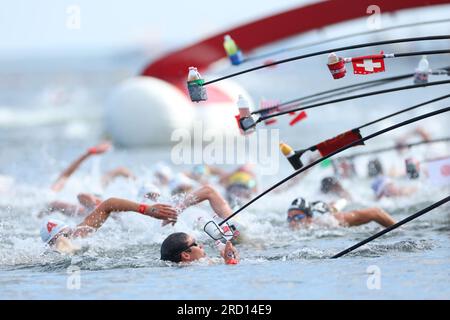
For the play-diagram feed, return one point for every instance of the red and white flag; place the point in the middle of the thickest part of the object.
(368, 64)
(439, 171)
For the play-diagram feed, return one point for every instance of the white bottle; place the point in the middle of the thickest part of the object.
(332, 58)
(423, 64)
(244, 107)
(422, 71)
(193, 74)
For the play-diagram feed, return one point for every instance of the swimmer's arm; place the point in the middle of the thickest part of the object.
(58, 185)
(96, 219)
(217, 202)
(363, 216)
(216, 171)
(423, 134)
(88, 200)
(118, 172)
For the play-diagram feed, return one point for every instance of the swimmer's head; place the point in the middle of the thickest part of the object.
(181, 247)
(52, 229)
(181, 184)
(329, 184)
(200, 170)
(298, 211)
(237, 194)
(163, 173)
(374, 168)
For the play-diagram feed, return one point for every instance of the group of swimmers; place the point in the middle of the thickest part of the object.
(240, 186)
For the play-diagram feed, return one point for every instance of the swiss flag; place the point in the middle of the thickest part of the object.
(50, 226)
(368, 64)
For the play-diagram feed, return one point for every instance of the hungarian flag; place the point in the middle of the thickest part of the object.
(368, 64)
(342, 140)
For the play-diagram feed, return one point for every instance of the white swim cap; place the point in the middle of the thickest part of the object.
(50, 228)
(180, 180)
(164, 170)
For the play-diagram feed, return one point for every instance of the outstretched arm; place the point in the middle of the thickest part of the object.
(118, 172)
(363, 216)
(217, 202)
(96, 219)
(58, 185)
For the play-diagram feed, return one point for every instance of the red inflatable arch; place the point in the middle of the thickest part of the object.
(173, 66)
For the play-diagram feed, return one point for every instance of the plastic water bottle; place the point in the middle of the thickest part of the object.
(245, 117)
(197, 91)
(232, 50)
(229, 45)
(193, 74)
(291, 155)
(333, 58)
(422, 71)
(336, 66)
(244, 106)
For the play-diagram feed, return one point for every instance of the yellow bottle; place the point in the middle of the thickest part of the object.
(286, 149)
(291, 155)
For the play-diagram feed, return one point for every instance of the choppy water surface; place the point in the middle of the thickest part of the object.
(122, 259)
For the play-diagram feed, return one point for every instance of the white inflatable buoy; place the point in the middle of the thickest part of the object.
(144, 111)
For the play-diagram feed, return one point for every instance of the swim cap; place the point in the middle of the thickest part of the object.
(302, 205)
(164, 170)
(50, 228)
(327, 184)
(374, 168)
(180, 181)
(200, 170)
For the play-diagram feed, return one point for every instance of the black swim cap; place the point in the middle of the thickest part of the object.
(374, 168)
(173, 245)
(302, 205)
(327, 184)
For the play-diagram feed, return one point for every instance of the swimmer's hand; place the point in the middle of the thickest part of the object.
(162, 212)
(100, 148)
(64, 245)
(230, 254)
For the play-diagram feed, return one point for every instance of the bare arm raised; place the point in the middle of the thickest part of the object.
(58, 185)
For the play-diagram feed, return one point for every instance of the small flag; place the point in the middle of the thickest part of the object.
(270, 121)
(325, 163)
(439, 171)
(302, 115)
(368, 64)
(333, 144)
(271, 106)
